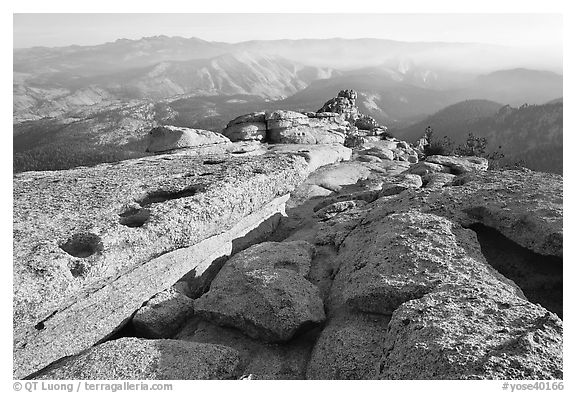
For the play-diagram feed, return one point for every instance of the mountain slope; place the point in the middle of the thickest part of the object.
(531, 133)
(452, 119)
(269, 77)
(395, 97)
(397, 81)
(265, 76)
(518, 86)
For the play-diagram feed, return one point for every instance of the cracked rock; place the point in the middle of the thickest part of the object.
(262, 292)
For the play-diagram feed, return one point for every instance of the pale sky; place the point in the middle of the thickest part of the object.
(521, 30)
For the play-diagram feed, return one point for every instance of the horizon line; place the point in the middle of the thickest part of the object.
(260, 40)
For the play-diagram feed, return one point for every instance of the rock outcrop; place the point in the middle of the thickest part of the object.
(249, 127)
(262, 292)
(336, 122)
(92, 244)
(288, 127)
(294, 127)
(289, 261)
(343, 104)
(166, 138)
(460, 165)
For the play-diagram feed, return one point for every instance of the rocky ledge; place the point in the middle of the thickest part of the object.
(92, 244)
(244, 260)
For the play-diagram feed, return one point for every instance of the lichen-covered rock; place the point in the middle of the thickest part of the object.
(262, 292)
(392, 263)
(163, 315)
(137, 359)
(460, 165)
(165, 138)
(471, 332)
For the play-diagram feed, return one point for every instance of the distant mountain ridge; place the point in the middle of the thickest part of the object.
(338, 53)
(400, 81)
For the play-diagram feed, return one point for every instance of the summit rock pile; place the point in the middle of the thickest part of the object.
(337, 119)
(288, 127)
(344, 104)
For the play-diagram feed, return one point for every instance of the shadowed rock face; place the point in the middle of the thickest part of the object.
(163, 315)
(539, 276)
(258, 359)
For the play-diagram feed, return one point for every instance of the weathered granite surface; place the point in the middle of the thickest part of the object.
(133, 358)
(262, 291)
(249, 127)
(376, 272)
(523, 205)
(83, 238)
(165, 138)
